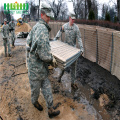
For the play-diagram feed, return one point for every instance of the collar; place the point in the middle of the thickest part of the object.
(41, 21)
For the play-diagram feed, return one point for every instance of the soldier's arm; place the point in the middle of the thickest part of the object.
(43, 46)
(8, 30)
(59, 33)
(2, 31)
(79, 40)
(29, 41)
(9, 25)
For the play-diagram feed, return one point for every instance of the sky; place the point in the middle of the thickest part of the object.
(70, 6)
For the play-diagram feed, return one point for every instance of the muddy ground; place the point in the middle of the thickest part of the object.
(98, 96)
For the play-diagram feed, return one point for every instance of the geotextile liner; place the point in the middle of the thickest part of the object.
(101, 45)
(116, 55)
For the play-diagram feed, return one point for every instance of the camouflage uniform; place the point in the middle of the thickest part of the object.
(39, 57)
(71, 34)
(5, 35)
(12, 28)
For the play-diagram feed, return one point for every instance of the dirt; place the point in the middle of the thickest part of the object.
(25, 27)
(15, 94)
(105, 87)
(98, 96)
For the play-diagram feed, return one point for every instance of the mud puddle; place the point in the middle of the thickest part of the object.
(83, 96)
(93, 106)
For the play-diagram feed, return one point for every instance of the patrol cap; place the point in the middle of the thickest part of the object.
(72, 14)
(5, 20)
(47, 9)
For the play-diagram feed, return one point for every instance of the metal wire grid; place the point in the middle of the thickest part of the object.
(98, 44)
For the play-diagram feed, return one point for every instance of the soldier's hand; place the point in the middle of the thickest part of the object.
(54, 39)
(81, 53)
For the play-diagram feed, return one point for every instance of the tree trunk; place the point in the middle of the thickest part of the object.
(39, 10)
(85, 9)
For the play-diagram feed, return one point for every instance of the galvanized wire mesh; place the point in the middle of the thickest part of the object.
(96, 42)
(104, 49)
(101, 45)
(116, 55)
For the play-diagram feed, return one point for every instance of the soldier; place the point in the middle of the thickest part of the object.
(5, 35)
(39, 57)
(12, 30)
(71, 34)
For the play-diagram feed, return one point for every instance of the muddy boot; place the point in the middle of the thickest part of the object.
(38, 106)
(9, 55)
(53, 113)
(74, 86)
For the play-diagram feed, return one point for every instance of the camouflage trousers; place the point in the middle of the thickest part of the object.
(6, 44)
(45, 86)
(12, 37)
(72, 70)
(27, 59)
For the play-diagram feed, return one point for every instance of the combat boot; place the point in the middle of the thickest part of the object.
(9, 55)
(53, 113)
(38, 106)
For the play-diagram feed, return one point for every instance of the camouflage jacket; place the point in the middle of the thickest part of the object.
(40, 56)
(12, 25)
(5, 31)
(71, 34)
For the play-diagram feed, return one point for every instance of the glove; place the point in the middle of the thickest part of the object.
(81, 53)
(54, 39)
(54, 62)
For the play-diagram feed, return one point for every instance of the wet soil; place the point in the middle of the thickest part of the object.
(98, 96)
(15, 94)
(104, 86)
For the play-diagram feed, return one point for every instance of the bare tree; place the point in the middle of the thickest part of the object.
(33, 9)
(112, 13)
(2, 15)
(118, 9)
(83, 7)
(89, 4)
(63, 13)
(104, 11)
(94, 7)
(78, 6)
(57, 7)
